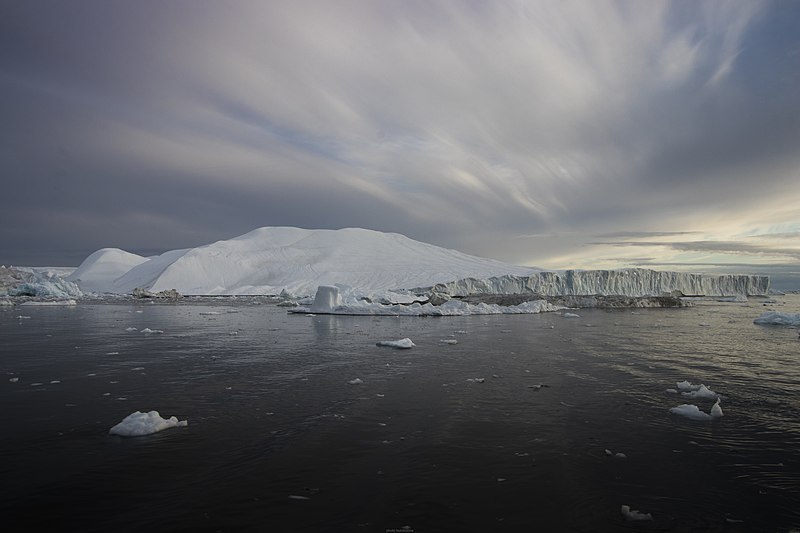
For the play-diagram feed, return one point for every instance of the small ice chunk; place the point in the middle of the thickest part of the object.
(13, 380)
(634, 514)
(694, 412)
(356, 381)
(702, 392)
(672, 391)
(138, 423)
(148, 331)
(326, 300)
(716, 410)
(55, 381)
(571, 315)
(131, 329)
(296, 497)
(112, 353)
(403, 344)
(687, 386)
(448, 341)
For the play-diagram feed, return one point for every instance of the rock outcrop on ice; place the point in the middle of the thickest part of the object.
(634, 282)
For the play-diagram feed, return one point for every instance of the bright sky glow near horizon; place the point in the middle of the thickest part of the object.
(557, 134)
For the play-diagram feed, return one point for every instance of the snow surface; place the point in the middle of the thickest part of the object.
(774, 318)
(138, 423)
(101, 268)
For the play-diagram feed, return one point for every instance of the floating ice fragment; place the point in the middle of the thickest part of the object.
(570, 315)
(687, 386)
(22, 317)
(672, 391)
(112, 353)
(148, 331)
(716, 410)
(702, 392)
(296, 497)
(634, 514)
(694, 412)
(356, 381)
(13, 380)
(403, 344)
(460, 332)
(448, 341)
(137, 424)
(774, 318)
(208, 313)
(131, 329)
(55, 381)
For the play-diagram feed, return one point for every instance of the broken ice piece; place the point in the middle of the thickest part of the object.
(634, 514)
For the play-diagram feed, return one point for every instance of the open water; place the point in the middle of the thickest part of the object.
(279, 440)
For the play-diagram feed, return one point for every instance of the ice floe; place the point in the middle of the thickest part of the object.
(403, 344)
(138, 423)
(775, 318)
(51, 303)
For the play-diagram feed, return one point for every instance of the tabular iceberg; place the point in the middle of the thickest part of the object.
(636, 282)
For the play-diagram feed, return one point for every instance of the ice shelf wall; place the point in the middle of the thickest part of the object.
(635, 282)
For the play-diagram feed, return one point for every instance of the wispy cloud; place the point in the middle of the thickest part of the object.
(464, 124)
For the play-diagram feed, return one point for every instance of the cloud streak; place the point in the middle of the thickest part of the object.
(150, 125)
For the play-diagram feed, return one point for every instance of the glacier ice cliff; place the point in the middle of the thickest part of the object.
(634, 282)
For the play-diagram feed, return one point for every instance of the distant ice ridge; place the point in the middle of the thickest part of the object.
(635, 282)
(774, 318)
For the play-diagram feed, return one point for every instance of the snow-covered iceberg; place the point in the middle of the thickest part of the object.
(274, 259)
(294, 261)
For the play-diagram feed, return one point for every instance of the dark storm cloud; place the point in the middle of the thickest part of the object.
(151, 125)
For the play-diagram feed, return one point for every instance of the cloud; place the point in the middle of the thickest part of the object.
(463, 124)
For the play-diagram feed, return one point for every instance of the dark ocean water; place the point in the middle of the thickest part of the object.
(278, 440)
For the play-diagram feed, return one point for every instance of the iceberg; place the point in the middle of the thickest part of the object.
(138, 424)
(294, 262)
(326, 300)
(271, 260)
(403, 344)
(103, 267)
(635, 282)
(694, 412)
(775, 318)
(350, 303)
(40, 284)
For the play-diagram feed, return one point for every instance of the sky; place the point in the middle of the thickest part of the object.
(555, 134)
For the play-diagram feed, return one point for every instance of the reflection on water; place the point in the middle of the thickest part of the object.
(279, 440)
